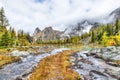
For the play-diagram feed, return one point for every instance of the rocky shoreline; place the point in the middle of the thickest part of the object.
(98, 64)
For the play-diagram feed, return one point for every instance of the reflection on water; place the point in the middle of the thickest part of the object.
(74, 46)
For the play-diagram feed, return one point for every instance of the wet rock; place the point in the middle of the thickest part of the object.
(112, 48)
(94, 65)
(46, 49)
(113, 64)
(73, 59)
(114, 72)
(31, 51)
(111, 56)
(105, 50)
(108, 55)
(109, 49)
(18, 78)
(116, 58)
(26, 74)
(118, 48)
(75, 55)
(82, 54)
(94, 51)
(96, 75)
(20, 53)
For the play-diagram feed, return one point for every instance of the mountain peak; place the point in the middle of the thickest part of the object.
(47, 34)
(48, 28)
(37, 30)
(116, 13)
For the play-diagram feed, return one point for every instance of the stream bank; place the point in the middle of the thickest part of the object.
(97, 64)
(22, 69)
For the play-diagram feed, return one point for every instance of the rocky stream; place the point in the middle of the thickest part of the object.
(98, 64)
(95, 64)
(22, 69)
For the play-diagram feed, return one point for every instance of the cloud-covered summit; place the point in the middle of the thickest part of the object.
(29, 14)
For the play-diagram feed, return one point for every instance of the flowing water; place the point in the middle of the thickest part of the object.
(22, 69)
(92, 68)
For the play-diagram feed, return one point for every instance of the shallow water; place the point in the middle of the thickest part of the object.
(20, 69)
(92, 68)
(23, 68)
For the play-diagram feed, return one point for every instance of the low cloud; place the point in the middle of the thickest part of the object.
(29, 14)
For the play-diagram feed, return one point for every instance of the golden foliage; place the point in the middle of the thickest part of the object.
(110, 40)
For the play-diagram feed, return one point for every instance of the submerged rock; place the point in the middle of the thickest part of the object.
(97, 64)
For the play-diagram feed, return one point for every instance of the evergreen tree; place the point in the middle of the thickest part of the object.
(92, 37)
(12, 36)
(3, 20)
(117, 26)
(21, 37)
(24, 38)
(99, 37)
(110, 29)
(28, 37)
(5, 40)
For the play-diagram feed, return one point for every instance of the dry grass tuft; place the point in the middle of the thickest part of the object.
(55, 67)
(117, 62)
(4, 59)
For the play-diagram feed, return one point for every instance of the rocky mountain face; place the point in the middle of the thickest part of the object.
(116, 13)
(75, 29)
(47, 34)
(111, 18)
(87, 25)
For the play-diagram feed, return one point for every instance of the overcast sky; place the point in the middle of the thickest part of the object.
(29, 14)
